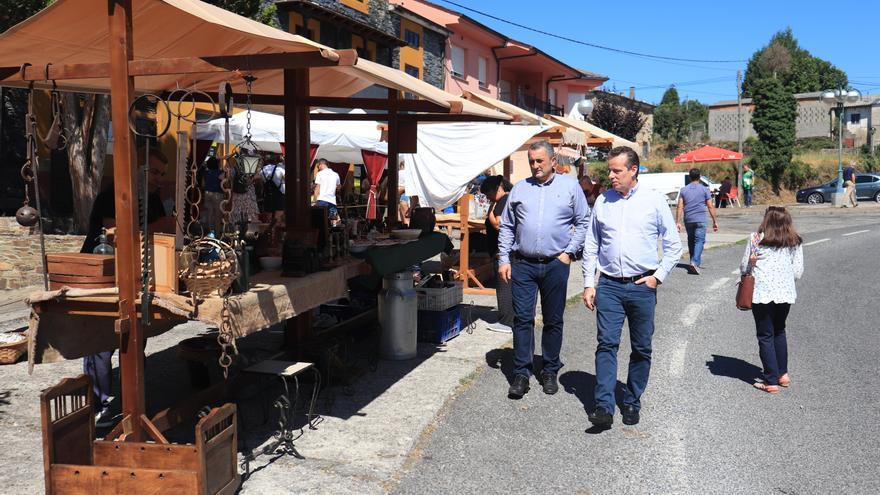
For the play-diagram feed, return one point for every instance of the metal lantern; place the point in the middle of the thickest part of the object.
(27, 216)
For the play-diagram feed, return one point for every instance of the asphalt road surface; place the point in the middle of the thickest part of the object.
(704, 429)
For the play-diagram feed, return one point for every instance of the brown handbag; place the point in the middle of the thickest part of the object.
(746, 287)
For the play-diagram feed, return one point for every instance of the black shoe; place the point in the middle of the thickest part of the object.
(519, 387)
(630, 415)
(600, 417)
(549, 383)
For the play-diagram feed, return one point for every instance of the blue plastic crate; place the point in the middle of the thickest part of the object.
(439, 326)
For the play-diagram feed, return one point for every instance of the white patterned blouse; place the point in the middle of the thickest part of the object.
(775, 272)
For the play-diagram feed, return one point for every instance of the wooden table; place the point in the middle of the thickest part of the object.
(466, 226)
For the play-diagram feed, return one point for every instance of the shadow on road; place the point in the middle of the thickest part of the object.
(503, 359)
(733, 368)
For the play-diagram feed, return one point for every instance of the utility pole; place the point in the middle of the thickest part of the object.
(739, 136)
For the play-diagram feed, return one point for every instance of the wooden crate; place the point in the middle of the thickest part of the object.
(81, 264)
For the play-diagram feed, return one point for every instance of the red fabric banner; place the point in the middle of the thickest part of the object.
(375, 163)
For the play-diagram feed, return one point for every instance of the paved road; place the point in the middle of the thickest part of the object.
(704, 428)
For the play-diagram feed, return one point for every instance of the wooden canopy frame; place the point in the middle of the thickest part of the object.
(122, 69)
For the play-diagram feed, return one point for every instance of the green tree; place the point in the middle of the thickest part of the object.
(669, 117)
(15, 11)
(795, 67)
(774, 123)
(259, 10)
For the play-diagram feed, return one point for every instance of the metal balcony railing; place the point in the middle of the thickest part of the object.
(530, 103)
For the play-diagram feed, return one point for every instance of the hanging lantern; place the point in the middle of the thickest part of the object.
(27, 216)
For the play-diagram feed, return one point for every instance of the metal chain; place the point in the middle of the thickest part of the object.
(225, 338)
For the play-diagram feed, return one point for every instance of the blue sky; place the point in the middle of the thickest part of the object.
(704, 30)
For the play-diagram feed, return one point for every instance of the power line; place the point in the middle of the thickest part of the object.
(585, 43)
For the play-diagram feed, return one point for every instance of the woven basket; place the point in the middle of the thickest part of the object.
(212, 277)
(9, 353)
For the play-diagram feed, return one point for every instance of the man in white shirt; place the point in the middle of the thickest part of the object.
(327, 184)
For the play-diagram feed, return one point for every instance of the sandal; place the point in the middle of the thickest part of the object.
(784, 380)
(770, 389)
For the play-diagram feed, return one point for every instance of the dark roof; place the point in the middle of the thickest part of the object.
(404, 12)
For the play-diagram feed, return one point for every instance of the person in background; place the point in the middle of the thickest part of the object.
(748, 184)
(210, 178)
(723, 192)
(542, 229)
(775, 257)
(849, 181)
(695, 200)
(272, 176)
(403, 205)
(99, 366)
(327, 184)
(496, 188)
(621, 243)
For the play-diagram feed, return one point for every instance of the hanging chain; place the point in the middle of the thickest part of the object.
(226, 338)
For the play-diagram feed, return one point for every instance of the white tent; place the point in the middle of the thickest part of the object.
(451, 155)
(338, 141)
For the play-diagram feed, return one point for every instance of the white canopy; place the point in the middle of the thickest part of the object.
(338, 141)
(451, 155)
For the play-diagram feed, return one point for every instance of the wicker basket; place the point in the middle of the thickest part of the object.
(9, 353)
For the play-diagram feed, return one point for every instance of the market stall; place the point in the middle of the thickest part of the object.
(158, 47)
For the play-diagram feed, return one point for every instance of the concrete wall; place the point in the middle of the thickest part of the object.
(20, 264)
(812, 121)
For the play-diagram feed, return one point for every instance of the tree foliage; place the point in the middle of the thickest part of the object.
(795, 67)
(774, 123)
(624, 122)
(15, 11)
(673, 120)
(263, 11)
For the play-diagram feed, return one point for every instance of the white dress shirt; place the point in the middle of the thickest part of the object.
(623, 233)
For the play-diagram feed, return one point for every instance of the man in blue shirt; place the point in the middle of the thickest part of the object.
(542, 228)
(695, 201)
(849, 181)
(622, 239)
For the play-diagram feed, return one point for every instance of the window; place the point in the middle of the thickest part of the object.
(865, 179)
(855, 118)
(481, 71)
(412, 39)
(359, 5)
(457, 61)
(413, 71)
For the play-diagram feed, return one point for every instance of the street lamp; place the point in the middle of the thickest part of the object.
(836, 98)
(585, 107)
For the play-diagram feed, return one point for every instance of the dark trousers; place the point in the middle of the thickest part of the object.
(100, 368)
(504, 299)
(616, 302)
(772, 343)
(551, 281)
(747, 196)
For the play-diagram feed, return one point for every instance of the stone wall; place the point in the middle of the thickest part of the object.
(20, 264)
(434, 44)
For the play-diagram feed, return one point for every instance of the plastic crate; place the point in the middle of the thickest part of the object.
(441, 298)
(439, 326)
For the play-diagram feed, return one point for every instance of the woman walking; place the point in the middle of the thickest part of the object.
(777, 260)
(496, 188)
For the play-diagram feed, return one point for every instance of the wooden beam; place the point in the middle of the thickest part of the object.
(378, 104)
(393, 147)
(297, 143)
(419, 117)
(184, 65)
(131, 345)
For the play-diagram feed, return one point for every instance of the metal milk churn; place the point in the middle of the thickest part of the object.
(398, 317)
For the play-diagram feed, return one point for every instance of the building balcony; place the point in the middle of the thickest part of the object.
(531, 103)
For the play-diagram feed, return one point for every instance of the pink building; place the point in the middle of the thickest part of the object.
(480, 59)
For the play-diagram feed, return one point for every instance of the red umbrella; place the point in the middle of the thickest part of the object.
(708, 154)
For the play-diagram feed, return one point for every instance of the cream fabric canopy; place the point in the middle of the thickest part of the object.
(76, 32)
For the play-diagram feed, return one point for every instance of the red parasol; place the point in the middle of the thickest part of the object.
(708, 154)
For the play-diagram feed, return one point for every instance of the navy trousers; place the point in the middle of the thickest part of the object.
(100, 368)
(616, 302)
(772, 342)
(528, 279)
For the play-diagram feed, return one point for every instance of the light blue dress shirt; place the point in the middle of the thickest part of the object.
(543, 220)
(623, 234)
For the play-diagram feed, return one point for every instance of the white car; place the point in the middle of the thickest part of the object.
(670, 183)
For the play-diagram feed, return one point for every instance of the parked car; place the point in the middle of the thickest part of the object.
(670, 183)
(867, 188)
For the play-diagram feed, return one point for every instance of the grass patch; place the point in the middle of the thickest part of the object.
(467, 380)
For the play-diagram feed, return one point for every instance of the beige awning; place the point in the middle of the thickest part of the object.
(595, 131)
(76, 32)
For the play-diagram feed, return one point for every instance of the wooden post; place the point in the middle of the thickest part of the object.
(131, 337)
(297, 140)
(464, 206)
(393, 146)
(508, 168)
(297, 181)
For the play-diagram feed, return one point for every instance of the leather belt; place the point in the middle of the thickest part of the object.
(541, 260)
(629, 280)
